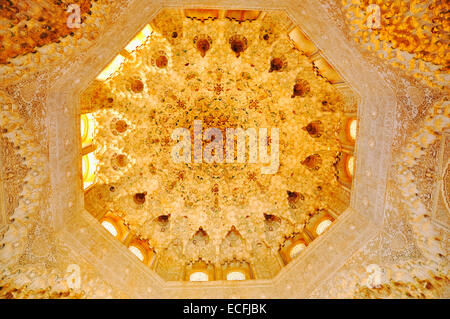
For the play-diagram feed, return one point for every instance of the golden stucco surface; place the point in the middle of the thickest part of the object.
(411, 35)
(29, 25)
(406, 259)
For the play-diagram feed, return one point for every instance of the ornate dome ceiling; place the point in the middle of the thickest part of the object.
(335, 219)
(226, 73)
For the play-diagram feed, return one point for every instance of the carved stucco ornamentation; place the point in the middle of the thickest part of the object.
(52, 52)
(396, 43)
(85, 230)
(408, 254)
(14, 172)
(425, 173)
(79, 233)
(446, 185)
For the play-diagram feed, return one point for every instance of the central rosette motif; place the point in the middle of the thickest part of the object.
(235, 78)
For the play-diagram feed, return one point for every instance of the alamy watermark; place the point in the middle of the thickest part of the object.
(74, 19)
(73, 278)
(374, 18)
(377, 276)
(213, 151)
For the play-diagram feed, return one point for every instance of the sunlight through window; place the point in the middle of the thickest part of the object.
(139, 39)
(87, 129)
(352, 127)
(89, 164)
(111, 68)
(323, 226)
(235, 275)
(198, 276)
(297, 249)
(350, 165)
(137, 252)
(110, 228)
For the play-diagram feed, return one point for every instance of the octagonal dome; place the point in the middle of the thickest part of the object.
(208, 74)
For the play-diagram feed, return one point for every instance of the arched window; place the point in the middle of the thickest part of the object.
(327, 70)
(198, 276)
(242, 15)
(350, 165)
(89, 165)
(139, 39)
(111, 68)
(301, 41)
(87, 129)
(137, 252)
(235, 275)
(202, 14)
(322, 226)
(296, 249)
(110, 227)
(352, 127)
